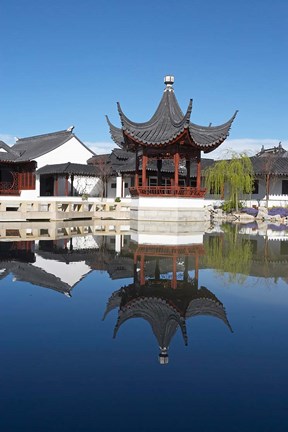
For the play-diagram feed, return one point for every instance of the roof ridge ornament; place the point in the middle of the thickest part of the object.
(169, 81)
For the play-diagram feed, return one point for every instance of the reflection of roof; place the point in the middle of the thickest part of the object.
(164, 308)
(68, 256)
(37, 276)
(162, 316)
(207, 307)
(167, 124)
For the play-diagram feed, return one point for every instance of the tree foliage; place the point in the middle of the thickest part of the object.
(235, 175)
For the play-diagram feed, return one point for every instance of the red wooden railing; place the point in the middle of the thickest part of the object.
(9, 188)
(168, 191)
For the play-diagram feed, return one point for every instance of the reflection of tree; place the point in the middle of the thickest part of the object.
(228, 253)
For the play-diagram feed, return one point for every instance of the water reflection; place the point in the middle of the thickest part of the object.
(165, 294)
(58, 356)
(164, 288)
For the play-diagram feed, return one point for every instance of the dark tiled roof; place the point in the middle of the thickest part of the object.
(270, 164)
(69, 168)
(32, 147)
(7, 154)
(166, 125)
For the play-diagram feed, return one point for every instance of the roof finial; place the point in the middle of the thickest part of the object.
(169, 81)
(163, 356)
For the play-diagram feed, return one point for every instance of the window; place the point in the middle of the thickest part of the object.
(113, 185)
(166, 182)
(152, 181)
(126, 185)
(284, 187)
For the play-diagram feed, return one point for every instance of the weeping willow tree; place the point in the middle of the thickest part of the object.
(236, 175)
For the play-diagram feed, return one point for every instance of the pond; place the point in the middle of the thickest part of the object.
(100, 332)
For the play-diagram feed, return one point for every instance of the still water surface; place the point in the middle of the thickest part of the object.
(100, 333)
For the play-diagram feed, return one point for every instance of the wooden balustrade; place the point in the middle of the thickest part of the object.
(168, 191)
(9, 188)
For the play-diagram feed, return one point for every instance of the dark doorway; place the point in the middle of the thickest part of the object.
(46, 185)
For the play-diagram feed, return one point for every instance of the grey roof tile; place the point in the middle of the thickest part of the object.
(69, 168)
(7, 153)
(166, 125)
(32, 147)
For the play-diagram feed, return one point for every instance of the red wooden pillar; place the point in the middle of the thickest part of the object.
(196, 266)
(66, 185)
(174, 274)
(176, 168)
(144, 166)
(56, 185)
(136, 170)
(198, 181)
(142, 273)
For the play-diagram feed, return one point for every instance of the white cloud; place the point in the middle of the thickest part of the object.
(8, 139)
(100, 147)
(250, 146)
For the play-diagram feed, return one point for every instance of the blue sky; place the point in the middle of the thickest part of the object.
(68, 62)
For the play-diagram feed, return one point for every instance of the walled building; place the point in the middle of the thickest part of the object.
(19, 165)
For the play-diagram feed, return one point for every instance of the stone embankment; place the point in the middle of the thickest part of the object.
(262, 215)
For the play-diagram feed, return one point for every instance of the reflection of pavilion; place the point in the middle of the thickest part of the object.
(168, 298)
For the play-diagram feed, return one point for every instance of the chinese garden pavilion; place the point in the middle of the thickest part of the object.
(169, 134)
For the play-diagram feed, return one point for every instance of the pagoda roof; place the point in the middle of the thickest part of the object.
(167, 125)
(164, 309)
(162, 316)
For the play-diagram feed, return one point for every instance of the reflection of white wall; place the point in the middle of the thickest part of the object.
(85, 242)
(69, 273)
